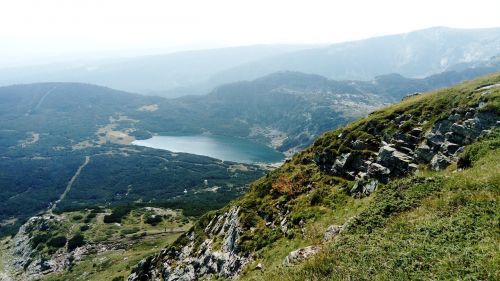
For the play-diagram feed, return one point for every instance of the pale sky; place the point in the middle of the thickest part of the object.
(38, 28)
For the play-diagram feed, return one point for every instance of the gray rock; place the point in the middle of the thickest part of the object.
(379, 172)
(300, 254)
(423, 153)
(456, 138)
(459, 129)
(440, 162)
(364, 187)
(449, 148)
(340, 163)
(331, 232)
(186, 264)
(397, 161)
(349, 164)
(434, 138)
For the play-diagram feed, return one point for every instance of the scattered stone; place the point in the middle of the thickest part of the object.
(300, 254)
(331, 232)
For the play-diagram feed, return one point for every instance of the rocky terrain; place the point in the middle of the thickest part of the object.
(33, 254)
(325, 192)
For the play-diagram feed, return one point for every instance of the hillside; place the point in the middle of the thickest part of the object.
(67, 146)
(288, 110)
(409, 192)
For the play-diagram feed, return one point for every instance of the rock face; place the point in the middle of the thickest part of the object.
(192, 261)
(25, 261)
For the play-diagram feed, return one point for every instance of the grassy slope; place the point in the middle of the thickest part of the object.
(432, 225)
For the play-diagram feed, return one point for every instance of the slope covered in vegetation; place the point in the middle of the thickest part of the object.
(409, 192)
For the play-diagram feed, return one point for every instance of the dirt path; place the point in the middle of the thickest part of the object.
(70, 183)
(41, 100)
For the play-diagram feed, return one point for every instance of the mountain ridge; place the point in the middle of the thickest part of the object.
(416, 54)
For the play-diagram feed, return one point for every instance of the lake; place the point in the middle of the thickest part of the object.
(220, 147)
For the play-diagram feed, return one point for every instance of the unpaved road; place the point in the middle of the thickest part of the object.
(70, 183)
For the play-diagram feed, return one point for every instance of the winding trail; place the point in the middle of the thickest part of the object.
(70, 183)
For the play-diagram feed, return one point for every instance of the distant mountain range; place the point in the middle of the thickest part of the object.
(416, 54)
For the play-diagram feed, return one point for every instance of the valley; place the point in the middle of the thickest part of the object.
(269, 173)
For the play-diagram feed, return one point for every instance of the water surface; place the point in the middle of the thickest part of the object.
(220, 147)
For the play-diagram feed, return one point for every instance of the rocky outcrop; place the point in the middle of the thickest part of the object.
(24, 259)
(369, 162)
(192, 261)
(27, 263)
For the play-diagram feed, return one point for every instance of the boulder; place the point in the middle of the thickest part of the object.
(423, 153)
(456, 138)
(434, 138)
(364, 187)
(397, 161)
(331, 232)
(459, 129)
(340, 164)
(299, 255)
(449, 148)
(440, 162)
(349, 164)
(379, 172)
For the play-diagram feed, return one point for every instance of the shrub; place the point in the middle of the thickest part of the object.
(153, 219)
(77, 217)
(57, 242)
(39, 238)
(75, 242)
(117, 214)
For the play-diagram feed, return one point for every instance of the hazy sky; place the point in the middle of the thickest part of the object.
(34, 28)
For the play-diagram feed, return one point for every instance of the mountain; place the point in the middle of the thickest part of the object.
(169, 75)
(416, 54)
(288, 110)
(409, 192)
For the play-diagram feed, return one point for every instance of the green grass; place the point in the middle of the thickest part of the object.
(441, 226)
(434, 225)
